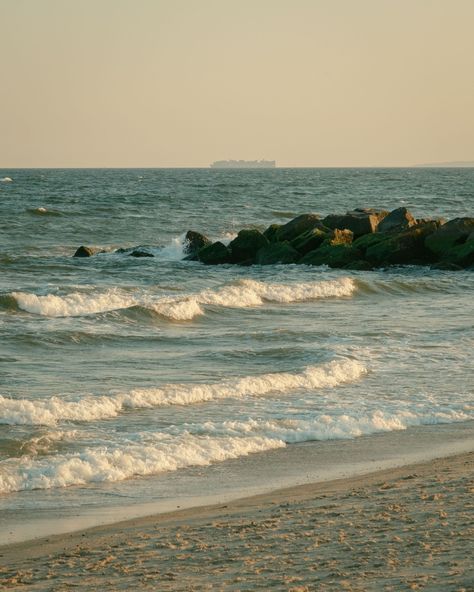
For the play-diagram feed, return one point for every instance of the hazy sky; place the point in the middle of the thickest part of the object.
(186, 82)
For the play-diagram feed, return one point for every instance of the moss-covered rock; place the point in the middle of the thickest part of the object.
(277, 253)
(453, 233)
(407, 247)
(369, 240)
(246, 244)
(297, 226)
(214, 254)
(462, 255)
(338, 255)
(271, 232)
(311, 239)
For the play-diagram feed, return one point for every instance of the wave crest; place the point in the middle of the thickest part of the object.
(53, 410)
(244, 294)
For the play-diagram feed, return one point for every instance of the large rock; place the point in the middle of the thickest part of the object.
(461, 255)
(244, 247)
(271, 232)
(83, 251)
(407, 247)
(193, 242)
(360, 221)
(214, 254)
(341, 237)
(297, 226)
(339, 255)
(312, 239)
(397, 221)
(454, 233)
(369, 240)
(277, 253)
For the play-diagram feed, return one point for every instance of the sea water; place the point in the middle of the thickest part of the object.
(125, 381)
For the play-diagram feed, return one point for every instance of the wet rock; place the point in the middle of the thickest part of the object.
(341, 237)
(193, 242)
(462, 255)
(271, 232)
(359, 265)
(439, 221)
(277, 253)
(446, 266)
(360, 221)
(244, 247)
(397, 221)
(369, 240)
(140, 253)
(297, 226)
(83, 251)
(312, 239)
(406, 247)
(338, 255)
(214, 254)
(451, 234)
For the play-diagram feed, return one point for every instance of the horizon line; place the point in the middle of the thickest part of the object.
(454, 164)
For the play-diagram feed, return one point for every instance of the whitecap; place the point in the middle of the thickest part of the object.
(243, 294)
(118, 463)
(55, 409)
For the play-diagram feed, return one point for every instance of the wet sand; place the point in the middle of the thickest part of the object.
(408, 528)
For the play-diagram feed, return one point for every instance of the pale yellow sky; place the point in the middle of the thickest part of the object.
(185, 82)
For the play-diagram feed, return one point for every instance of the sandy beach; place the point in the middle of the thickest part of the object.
(409, 528)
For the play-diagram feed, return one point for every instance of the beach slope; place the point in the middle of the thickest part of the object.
(409, 528)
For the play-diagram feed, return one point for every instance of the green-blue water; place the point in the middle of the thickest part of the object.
(121, 370)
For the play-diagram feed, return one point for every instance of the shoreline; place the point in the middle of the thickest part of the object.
(408, 527)
(296, 464)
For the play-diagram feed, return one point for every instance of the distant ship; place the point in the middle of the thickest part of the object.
(243, 164)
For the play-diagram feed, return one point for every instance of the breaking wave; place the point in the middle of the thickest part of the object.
(75, 304)
(243, 294)
(152, 453)
(53, 410)
(116, 464)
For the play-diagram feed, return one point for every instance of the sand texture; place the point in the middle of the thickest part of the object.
(410, 528)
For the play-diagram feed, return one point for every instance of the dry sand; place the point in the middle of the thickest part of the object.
(409, 528)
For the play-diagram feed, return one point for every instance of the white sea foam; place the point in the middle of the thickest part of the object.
(178, 447)
(75, 304)
(243, 294)
(116, 464)
(53, 410)
(340, 424)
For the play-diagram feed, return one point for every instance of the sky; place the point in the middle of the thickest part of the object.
(181, 83)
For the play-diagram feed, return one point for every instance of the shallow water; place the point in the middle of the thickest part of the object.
(119, 370)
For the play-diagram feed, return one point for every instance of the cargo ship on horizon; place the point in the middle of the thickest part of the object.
(243, 164)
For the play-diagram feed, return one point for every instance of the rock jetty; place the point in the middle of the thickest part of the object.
(360, 239)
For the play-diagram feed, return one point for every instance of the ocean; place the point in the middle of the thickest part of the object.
(133, 384)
